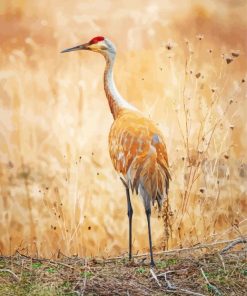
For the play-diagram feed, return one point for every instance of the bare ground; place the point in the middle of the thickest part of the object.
(186, 272)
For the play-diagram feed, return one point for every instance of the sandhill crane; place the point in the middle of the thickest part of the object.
(137, 148)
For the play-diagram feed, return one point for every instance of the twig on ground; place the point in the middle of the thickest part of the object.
(222, 261)
(164, 274)
(45, 260)
(60, 263)
(169, 285)
(200, 246)
(85, 280)
(84, 284)
(234, 243)
(210, 286)
(173, 288)
(190, 292)
(171, 271)
(184, 292)
(155, 277)
(12, 273)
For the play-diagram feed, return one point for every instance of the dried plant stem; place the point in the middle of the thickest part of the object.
(186, 110)
(47, 260)
(29, 203)
(200, 246)
(173, 288)
(234, 243)
(155, 277)
(210, 286)
(12, 273)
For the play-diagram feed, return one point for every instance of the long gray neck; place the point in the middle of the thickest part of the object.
(115, 100)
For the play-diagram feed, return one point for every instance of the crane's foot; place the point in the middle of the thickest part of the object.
(152, 264)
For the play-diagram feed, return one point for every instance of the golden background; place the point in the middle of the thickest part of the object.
(183, 63)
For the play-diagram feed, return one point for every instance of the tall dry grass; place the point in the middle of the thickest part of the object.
(184, 66)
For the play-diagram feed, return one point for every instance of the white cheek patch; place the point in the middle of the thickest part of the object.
(99, 45)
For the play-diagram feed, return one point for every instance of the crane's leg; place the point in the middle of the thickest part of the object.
(130, 214)
(148, 214)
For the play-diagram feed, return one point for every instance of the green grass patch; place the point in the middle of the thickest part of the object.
(36, 265)
(141, 270)
(87, 274)
(51, 270)
(166, 263)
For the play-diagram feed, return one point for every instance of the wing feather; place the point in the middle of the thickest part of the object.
(138, 152)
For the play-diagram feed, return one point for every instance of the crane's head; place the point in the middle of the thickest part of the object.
(97, 44)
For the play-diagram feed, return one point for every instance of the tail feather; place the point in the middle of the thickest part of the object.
(149, 178)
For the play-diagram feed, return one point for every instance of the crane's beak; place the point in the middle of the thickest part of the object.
(79, 47)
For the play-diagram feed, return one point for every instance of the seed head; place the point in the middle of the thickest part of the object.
(229, 60)
(170, 45)
(202, 190)
(200, 37)
(235, 53)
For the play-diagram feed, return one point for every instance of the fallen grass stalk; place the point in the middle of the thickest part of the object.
(12, 273)
(211, 287)
(200, 246)
(46, 260)
(169, 285)
(234, 243)
(173, 288)
(222, 261)
(190, 292)
(155, 277)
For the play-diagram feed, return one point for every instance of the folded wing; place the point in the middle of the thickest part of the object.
(138, 152)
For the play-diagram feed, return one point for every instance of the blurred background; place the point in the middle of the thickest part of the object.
(183, 63)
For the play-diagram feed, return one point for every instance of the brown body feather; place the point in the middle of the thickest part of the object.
(138, 152)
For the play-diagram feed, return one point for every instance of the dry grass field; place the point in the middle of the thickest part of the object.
(181, 63)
